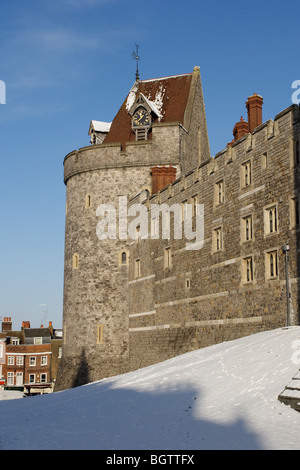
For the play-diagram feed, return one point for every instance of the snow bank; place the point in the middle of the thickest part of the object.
(220, 397)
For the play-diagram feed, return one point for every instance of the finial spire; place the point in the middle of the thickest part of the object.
(135, 56)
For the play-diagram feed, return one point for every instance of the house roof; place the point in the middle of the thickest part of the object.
(37, 332)
(167, 95)
(100, 126)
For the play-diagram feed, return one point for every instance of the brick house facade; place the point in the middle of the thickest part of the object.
(28, 358)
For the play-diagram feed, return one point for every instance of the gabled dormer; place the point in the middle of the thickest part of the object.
(98, 131)
(143, 113)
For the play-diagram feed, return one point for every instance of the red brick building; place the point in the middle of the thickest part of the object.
(29, 358)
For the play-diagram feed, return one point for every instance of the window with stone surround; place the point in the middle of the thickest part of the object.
(168, 257)
(246, 174)
(75, 261)
(99, 339)
(88, 201)
(217, 239)
(137, 268)
(247, 269)
(247, 228)
(194, 203)
(271, 219)
(294, 212)
(219, 193)
(272, 264)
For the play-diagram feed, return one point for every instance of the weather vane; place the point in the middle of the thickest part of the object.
(135, 56)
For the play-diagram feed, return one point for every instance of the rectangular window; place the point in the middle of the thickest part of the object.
(194, 202)
(272, 265)
(184, 211)
(137, 268)
(246, 174)
(31, 378)
(138, 233)
(219, 192)
(271, 219)
(20, 360)
(10, 360)
(38, 340)
(75, 261)
(217, 239)
(44, 360)
(247, 228)
(15, 341)
(168, 258)
(10, 378)
(294, 212)
(43, 378)
(32, 361)
(99, 334)
(247, 269)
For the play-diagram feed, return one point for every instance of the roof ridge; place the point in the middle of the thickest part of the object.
(165, 78)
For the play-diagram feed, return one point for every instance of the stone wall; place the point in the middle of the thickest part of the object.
(205, 296)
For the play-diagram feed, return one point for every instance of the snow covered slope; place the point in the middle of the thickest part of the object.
(220, 397)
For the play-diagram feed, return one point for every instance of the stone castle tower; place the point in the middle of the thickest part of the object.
(161, 124)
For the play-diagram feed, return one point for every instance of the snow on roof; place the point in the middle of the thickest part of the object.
(100, 126)
(131, 96)
(156, 106)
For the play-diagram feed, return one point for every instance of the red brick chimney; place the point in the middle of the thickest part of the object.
(240, 129)
(254, 107)
(6, 324)
(162, 176)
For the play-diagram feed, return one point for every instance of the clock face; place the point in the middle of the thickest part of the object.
(141, 118)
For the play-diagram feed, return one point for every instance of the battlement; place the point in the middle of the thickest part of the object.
(137, 153)
(254, 144)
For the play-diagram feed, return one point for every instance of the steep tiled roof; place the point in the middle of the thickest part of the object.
(169, 95)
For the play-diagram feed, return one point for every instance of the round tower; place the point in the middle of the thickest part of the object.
(150, 129)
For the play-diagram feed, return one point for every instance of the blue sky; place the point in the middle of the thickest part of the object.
(66, 62)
